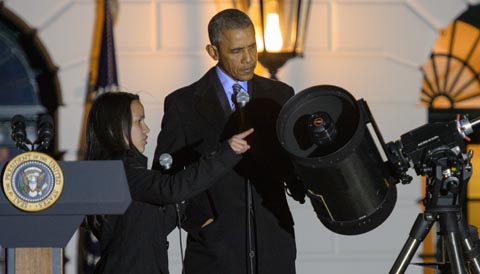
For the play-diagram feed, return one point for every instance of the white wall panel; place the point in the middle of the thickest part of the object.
(394, 118)
(319, 28)
(312, 237)
(160, 74)
(38, 13)
(373, 76)
(70, 119)
(190, 21)
(439, 12)
(68, 35)
(73, 78)
(391, 28)
(135, 29)
(73, 81)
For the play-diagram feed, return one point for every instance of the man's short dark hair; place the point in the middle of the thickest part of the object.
(226, 20)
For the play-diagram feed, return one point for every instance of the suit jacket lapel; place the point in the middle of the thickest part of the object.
(212, 103)
(253, 85)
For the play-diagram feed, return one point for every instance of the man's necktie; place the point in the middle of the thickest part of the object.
(236, 89)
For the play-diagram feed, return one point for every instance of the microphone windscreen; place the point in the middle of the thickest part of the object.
(17, 119)
(45, 120)
(166, 161)
(19, 133)
(242, 98)
(45, 131)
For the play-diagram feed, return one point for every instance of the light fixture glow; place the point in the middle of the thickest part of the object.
(280, 28)
(273, 35)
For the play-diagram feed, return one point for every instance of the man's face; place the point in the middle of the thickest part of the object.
(236, 53)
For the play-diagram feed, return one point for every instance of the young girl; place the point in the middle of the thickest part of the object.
(136, 242)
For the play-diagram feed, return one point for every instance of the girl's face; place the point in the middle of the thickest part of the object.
(139, 127)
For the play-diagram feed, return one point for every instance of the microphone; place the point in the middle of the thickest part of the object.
(19, 134)
(242, 98)
(166, 161)
(45, 132)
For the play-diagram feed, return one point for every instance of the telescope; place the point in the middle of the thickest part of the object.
(351, 174)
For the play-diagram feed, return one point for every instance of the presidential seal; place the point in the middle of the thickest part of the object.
(32, 181)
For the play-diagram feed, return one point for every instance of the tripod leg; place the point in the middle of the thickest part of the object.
(454, 250)
(475, 251)
(419, 231)
(471, 245)
(450, 226)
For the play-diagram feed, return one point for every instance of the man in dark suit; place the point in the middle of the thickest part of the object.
(242, 224)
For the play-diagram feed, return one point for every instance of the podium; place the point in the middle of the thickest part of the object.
(34, 240)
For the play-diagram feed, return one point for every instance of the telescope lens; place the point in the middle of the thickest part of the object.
(323, 128)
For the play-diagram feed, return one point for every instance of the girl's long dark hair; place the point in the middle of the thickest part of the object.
(108, 136)
(109, 125)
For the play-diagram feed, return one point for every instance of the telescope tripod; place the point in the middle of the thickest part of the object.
(454, 233)
(446, 186)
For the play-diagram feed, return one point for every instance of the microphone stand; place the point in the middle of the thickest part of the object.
(242, 98)
(179, 226)
(166, 161)
(250, 224)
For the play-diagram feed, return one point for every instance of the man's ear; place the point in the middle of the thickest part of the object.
(212, 51)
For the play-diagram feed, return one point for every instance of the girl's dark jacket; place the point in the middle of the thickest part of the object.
(136, 242)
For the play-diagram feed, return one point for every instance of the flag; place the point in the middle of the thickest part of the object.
(102, 78)
(103, 65)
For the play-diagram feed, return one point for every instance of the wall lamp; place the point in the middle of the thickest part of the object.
(280, 26)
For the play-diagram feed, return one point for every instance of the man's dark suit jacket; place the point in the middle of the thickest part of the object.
(197, 118)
